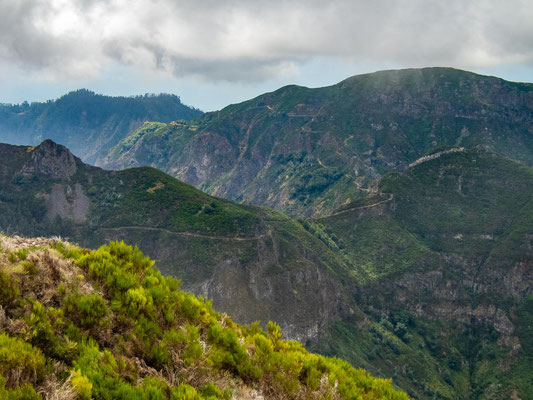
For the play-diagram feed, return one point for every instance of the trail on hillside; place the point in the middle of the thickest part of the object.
(199, 235)
(391, 196)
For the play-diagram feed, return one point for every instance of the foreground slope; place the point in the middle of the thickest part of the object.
(448, 248)
(89, 124)
(231, 253)
(307, 151)
(105, 324)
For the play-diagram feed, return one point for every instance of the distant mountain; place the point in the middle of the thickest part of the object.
(88, 123)
(428, 280)
(307, 151)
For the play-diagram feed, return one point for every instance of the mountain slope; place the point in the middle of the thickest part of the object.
(307, 151)
(105, 324)
(231, 253)
(89, 124)
(427, 281)
(448, 245)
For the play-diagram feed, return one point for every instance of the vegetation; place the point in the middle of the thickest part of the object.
(81, 119)
(424, 280)
(307, 151)
(105, 324)
(440, 238)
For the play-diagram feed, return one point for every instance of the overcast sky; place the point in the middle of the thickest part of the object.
(216, 52)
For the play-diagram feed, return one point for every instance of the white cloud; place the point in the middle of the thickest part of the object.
(256, 40)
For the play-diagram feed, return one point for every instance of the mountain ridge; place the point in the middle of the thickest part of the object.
(88, 123)
(306, 151)
(396, 282)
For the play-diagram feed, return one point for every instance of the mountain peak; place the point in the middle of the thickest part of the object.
(51, 159)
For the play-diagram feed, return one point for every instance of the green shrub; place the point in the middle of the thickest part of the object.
(184, 392)
(20, 362)
(22, 253)
(158, 330)
(88, 310)
(29, 267)
(81, 385)
(22, 392)
(9, 290)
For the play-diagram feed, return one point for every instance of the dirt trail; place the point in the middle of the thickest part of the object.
(347, 139)
(391, 196)
(361, 188)
(146, 228)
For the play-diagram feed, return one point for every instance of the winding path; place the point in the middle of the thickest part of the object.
(391, 196)
(199, 235)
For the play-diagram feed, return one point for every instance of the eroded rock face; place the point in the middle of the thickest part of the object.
(52, 160)
(75, 207)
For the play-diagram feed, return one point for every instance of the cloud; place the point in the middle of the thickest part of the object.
(251, 40)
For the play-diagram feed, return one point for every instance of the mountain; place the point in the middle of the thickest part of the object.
(105, 324)
(89, 124)
(307, 151)
(231, 253)
(428, 280)
(447, 251)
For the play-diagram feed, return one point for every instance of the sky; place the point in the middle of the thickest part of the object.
(217, 52)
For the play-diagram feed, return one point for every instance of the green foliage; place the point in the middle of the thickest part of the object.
(91, 310)
(9, 289)
(196, 345)
(22, 392)
(20, 362)
(22, 253)
(81, 385)
(30, 267)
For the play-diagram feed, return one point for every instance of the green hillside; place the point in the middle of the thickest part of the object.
(105, 324)
(307, 151)
(447, 250)
(426, 281)
(231, 253)
(88, 123)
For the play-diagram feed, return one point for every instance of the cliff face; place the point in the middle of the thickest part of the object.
(307, 151)
(51, 160)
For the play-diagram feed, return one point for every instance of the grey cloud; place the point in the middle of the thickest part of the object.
(255, 40)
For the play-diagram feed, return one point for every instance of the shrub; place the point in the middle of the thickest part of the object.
(22, 253)
(23, 392)
(20, 362)
(184, 392)
(81, 385)
(9, 290)
(29, 267)
(89, 310)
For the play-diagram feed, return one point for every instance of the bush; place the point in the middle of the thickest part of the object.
(10, 290)
(20, 362)
(184, 392)
(29, 267)
(23, 392)
(89, 310)
(81, 385)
